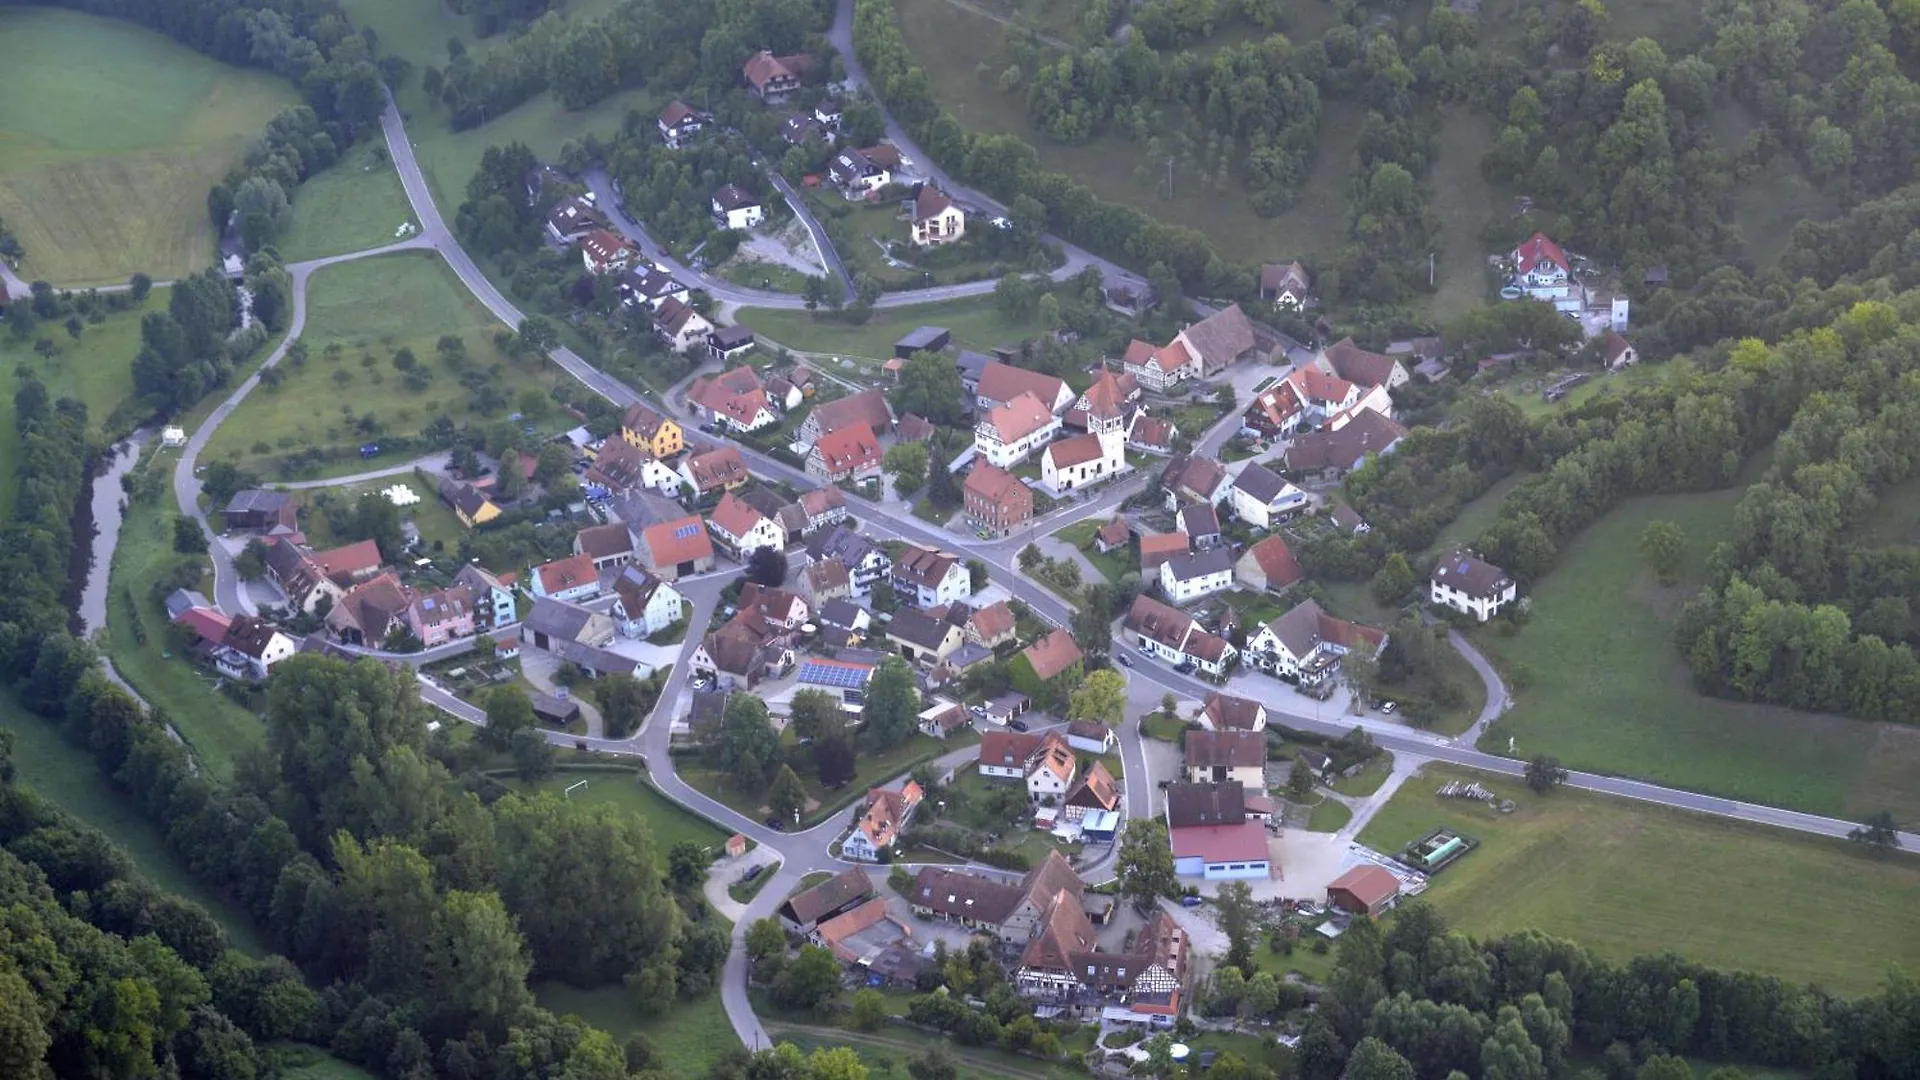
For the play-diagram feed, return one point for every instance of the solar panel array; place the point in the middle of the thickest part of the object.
(685, 531)
(835, 675)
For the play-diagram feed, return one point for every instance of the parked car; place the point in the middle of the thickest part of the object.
(1125, 660)
(1191, 901)
(774, 822)
(1388, 707)
(1018, 725)
(753, 872)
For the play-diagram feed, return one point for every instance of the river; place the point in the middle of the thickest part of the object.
(109, 502)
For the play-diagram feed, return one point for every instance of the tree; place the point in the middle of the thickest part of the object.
(23, 1031)
(1092, 622)
(1168, 704)
(1238, 919)
(1263, 995)
(537, 336)
(1146, 862)
(787, 797)
(1663, 547)
(264, 211)
(479, 964)
(1031, 558)
(869, 1009)
(933, 1064)
(1878, 833)
(687, 864)
(624, 702)
(907, 463)
(187, 537)
(892, 711)
(746, 743)
(251, 564)
(930, 388)
(1102, 697)
(553, 466)
(1393, 581)
(1544, 774)
(834, 760)
(1375, 1060)
(509, 712)
(810, 980)
(942, 489)
(977, 575)
(765, 940)
(814, 713)
(767, 566)
(533, 756)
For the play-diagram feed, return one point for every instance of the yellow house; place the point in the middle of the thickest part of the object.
(652, 431)
(469, 504)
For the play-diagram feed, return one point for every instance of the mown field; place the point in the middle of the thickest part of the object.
(1624, 878)
(371, 310)
(110, 136)
(629, 791)
(1599, 684)
(355, 205)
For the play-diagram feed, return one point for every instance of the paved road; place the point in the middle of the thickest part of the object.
(798, 204)
(433, 463)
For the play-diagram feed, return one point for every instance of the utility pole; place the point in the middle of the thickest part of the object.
(1429, 269)
(1169, 179)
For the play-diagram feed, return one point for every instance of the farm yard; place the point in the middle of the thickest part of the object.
(360, 316)
(113, 134)
(1626, 879)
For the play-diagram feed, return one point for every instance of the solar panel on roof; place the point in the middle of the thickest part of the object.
(685, 531)
(835, 675)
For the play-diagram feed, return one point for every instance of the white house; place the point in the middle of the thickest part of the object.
(1171, 635)
(571, 579)
(1052, 770)
(1190, 576)
(733, 208)
(1221, 852)
(1082, 460)
(1467, 583)
(644, 604)
(1541, 269)
(930, 578)
(1262, 499)
(1010, 432)
(681, 327)
(739, 529)
(1306, 643)
(251, 649)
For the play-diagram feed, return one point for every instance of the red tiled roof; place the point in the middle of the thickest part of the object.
(1276, 560)
(562, 574)
(1536, 250)
(1019, 418)
(996, 485)
(673, 542)
(1367, 883)
(1004, 382)
(734, 517)
(1245, 842)
(209, 623)
(1053, 654)
(350, 561)
(849, 448)
(1075, 451)
(717, 467)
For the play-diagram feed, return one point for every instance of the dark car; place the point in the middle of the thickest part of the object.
(774, 823)
(1125, 660)
(368, 450)
(1018, 725)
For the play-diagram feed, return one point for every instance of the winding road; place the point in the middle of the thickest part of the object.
(805, 851)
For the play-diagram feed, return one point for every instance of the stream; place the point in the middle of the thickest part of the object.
(109, 504)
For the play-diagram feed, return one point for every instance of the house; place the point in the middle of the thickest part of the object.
(1014, 913)
(1541, 269)
(441, 616)
(1186, 578)
(208, 624)
(995, 500)
(1306, 643)
(554, 711)
(733, 208)
(258, 510)
(1219, 756)
(840, 893)
(573, 218)
(717, 470)
(1200, 350)
(1158, 367)
(735, 399)
(1171, 635)
(1082, 460)
(927, 578)
(620, 468)
(1366, 889)
(824, 581)
(1001, 710)
(1156, 548)
(299, 576)
(936, 220)
(1200, 522)
(679, 122)
(1105, 406)
(821, 508)
(1268, 565)
(774, 505)
(923, 339)
(1349, 521)
(913, 428)
(1191, 803)
(1467, 583)
(1095, 792)
(1128, 296)
(1332, 453)
(1091, 737)
(1001, 384)
(1051, 769)
(740, 530)
(1192, 479)
(1361, 367)
(1617, 352)
(772, 78)
(796, 129)
(851, 453)
(606, 252)
(681, 327)
(1226, 712)
(1046, 967)
(748, 646)
(607, 545)
(369, 610)
(922, 638)
(1054, 655)
(1114, 534)
(653, 286)
(942, 718)
(572, 578)
(251, 648)
(673, 549)
(644, 605)
(1004, 754)
(1285, 285)
(1044, 762)
(726, 344)
(971, 365)
(857, 174)
(867, 562)
(880, 824)
(991, 625)
(469, 504)
(1221, 852)
(1010, 432)
(868, 407)
(181, 601)
(494, 603)
(1263, 499)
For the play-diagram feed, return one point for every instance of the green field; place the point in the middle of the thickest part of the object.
(1604, 689)
(1464, 203)
(1623, 879)
(1475, 516)
(215, 726)
(97, 369)
(666, 821)
(355, 205)
(1329, 815)
(976, 323)
(303, 1062)
(430, 515)
(870, 770)
(110, 137)
(689, 1037)
(371, 309)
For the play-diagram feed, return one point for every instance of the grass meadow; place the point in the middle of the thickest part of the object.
(629, 791)
(109, 139)
(976, 322)
(1624, 878)
(371, 309)
(355, 205)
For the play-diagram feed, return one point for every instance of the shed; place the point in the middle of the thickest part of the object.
(924, 339)
(557, 711)
(736, 845)
(1364, 890)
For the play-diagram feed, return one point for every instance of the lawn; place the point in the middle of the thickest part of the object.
(1329, 815)
(97, 370)
(216, 727)
(1624, 878)
(434, 518)
(316, 1064)
(1526, 391)
(67, 776)
(977, 324)
(1368, 779)
(1599, 684)
(1158, 725)
(688, 1037)
(1475, 516)
(886, 1053)
(370, 310)
(1113, 564)
(870, 770)
(113, 136)
(355, 205)
(668, 822)
(1464, 204)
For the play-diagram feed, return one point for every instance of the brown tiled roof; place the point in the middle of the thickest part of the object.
(1152, 431)
(1053, 654)
(992, 621)
(635, 587)
(567, 573)
(1162, 623)
(919, 566)
(717, 468)
(914, 428)
(1053, 876)
(962, 895)
(837, 930)
(642, 420)
(1115, 532)
(1275, 276)
(1228, 711)
(1276, 560)
(673, 542)
(1066, 931)
(829, 896)
(763, 67)
(1095, 789)
(1207, 646)
(930, 203)
(343, 564)
(1232, 749)
(1221, 337)
(996, 485)
(867, 407)
(250, 635)
(1612, 345)
(822, 500)
(1156, 548)
(1357, 365)
(619, 466)
(1006, 749)
(676, 111)
(1463, 571)
(1369, 884)
(1200, 475)
(1365, 433)
(1004, 382)
(604, 541)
